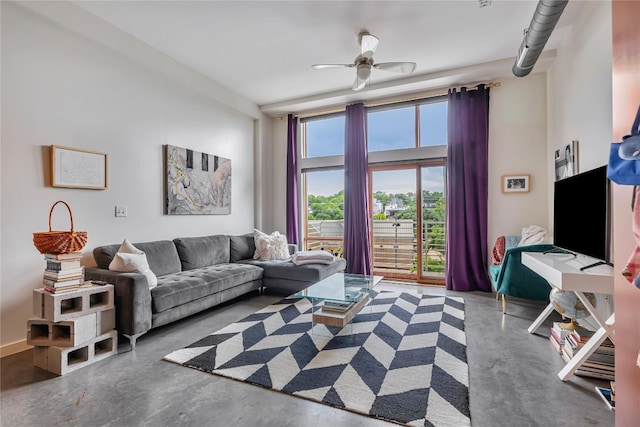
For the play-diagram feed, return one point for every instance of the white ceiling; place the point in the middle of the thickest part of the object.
(263, 50)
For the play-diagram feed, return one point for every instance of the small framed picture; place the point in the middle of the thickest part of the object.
(566, 160)
(515, 183)
(75, 168)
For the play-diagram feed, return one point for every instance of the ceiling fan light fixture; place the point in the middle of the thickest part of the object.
(364, 71)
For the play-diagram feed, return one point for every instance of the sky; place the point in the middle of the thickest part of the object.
(386, 129)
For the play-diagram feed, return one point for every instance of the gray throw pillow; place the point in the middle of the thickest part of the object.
(242, 247)
(198, 252)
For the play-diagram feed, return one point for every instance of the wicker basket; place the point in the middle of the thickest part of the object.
(60, 242)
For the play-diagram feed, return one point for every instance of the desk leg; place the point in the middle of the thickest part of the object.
(606, 325)
(543, 316)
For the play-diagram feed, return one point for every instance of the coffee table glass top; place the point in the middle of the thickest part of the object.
(341, 287)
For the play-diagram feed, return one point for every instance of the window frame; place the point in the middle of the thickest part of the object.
(413, 155)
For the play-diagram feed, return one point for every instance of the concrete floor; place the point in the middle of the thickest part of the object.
(513, 380)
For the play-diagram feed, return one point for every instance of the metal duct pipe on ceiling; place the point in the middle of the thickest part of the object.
(544, 20)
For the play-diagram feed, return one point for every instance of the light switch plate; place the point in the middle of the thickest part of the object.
(121, 211)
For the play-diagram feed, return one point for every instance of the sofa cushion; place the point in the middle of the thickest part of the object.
(162, 256)
(242, 247)
(180, 288)
(285, 269)
(197, 252)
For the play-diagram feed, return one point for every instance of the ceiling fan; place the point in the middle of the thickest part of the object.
(364, 62)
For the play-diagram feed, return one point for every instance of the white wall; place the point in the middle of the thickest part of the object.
(517, 146)
(60, 87)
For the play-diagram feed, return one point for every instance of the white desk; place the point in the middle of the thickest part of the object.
(563, 272)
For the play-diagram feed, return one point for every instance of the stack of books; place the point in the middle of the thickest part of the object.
(63, 272)
(601, 363)
(559, 333)
(336, 306)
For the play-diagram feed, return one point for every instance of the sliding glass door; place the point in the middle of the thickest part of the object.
(432, 224)
(394, 221)
(408, 242)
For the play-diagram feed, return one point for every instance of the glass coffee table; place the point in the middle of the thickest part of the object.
(338, 298)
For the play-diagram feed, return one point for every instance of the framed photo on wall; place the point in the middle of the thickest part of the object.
(75, 168)
(515, 183)
(566, 160)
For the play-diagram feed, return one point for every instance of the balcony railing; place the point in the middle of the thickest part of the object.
(394, 244)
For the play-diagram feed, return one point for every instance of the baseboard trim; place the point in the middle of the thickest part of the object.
(13, 348)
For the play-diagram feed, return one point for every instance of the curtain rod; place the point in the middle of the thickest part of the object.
(391, 102)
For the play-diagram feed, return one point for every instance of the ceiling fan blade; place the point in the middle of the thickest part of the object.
(359, 83)
(399, 67)
(323, 66)
(368, 45)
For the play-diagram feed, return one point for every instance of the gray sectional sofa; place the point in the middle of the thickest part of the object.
(194, 274)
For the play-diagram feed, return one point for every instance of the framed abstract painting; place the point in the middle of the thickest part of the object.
(197, 183)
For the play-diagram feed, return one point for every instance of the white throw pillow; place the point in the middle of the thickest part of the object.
(257, 237)
(130, 259)
(270, 246)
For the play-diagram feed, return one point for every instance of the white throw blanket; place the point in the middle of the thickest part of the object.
(312, 257)
(533, 235)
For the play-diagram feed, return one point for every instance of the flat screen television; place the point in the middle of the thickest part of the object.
(582, 214)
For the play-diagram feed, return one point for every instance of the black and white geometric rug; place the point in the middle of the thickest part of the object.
(405, 362)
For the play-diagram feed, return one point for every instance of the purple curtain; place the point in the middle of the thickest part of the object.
(467, 184)
(292, 180)
(357, 225)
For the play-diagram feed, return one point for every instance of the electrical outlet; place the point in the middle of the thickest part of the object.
(121, 211)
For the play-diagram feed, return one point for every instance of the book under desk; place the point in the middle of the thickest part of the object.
(562, 271)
